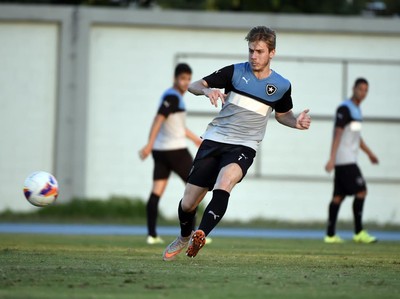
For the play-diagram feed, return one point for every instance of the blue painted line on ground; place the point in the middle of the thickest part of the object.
(97, 229)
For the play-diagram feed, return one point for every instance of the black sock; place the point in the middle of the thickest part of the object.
(358, 205)
(186, 220)
(333, 214)
(214, 211)
(152, 213)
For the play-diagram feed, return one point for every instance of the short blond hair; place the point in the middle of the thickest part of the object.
(262, 33)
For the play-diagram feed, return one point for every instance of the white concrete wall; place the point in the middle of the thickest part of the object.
(129, 65)
(28, 84)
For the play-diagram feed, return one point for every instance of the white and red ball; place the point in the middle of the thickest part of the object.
(41, 188)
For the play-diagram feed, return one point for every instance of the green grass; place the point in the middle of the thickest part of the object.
(43, 266)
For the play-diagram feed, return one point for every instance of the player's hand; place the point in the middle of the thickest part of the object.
(198, 142)
(214, 95)
(303, 121)
(330, 166)
(145, 152)
(373, 159)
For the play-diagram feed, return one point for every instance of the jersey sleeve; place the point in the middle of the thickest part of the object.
(221, 78)
(285, 103)
(343, 117)
(169, 105)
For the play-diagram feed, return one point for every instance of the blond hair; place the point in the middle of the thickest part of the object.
(262, 33)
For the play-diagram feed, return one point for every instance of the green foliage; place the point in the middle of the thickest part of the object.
(42, 266)
(337, 7)
(133, 211)
(116, 210)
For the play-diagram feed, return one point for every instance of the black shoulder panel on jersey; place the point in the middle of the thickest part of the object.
(285, 103)
(221, 78)
(170, 104)
(343, 117)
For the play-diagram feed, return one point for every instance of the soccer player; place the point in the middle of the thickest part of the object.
(252, 91)
(348, 180)
(167, 143)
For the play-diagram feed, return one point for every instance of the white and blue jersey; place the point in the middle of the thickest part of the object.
(172, 134)
(349, 118)
(249, 102)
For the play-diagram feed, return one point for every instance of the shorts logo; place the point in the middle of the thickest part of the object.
(360, 181)
(270, 89)
(242, 156)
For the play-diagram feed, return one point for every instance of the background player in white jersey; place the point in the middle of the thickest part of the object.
(252, 91)
(167, 143)
(348, 180)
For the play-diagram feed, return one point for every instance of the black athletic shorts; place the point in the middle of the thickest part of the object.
(179, 161)
(212, 156)
(348, 180)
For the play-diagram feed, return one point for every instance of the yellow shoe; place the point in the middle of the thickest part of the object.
(154, 240)
(334, 239)
(364, 237)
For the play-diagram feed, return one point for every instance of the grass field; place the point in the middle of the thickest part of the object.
(49, 266)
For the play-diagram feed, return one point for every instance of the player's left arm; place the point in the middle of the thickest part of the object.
(301, 122)
(285, 116)
(367, 150)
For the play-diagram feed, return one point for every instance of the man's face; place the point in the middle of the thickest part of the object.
(360, 92)
(182, 82)
(259, 55)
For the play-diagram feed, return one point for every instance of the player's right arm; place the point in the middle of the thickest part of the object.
(337, 136)
(210, 85)
(201, 87)
(155, 128)
(342, 119)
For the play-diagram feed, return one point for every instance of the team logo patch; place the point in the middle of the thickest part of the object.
(270, 89)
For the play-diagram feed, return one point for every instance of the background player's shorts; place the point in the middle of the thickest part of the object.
(212, 156)
(179, 161)
(348, 180)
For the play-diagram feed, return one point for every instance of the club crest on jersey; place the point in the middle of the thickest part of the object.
(270, 89)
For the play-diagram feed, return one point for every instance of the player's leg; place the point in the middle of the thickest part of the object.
(358, 205)
(235, 162)
(152, 211)
(228, 177)
(360, 190)
(334, 206)
(160, 179)
(202, 177)
(181, 166)
(186, 211)
(333, 212)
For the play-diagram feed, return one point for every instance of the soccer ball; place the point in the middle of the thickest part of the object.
(41, 188)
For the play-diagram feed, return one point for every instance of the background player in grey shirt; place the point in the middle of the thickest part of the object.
(348, 180)
(252, 91)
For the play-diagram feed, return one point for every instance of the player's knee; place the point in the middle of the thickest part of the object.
(187, 206)
(229, 176)
(337, 199)
(225, 183)
(361, 194)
